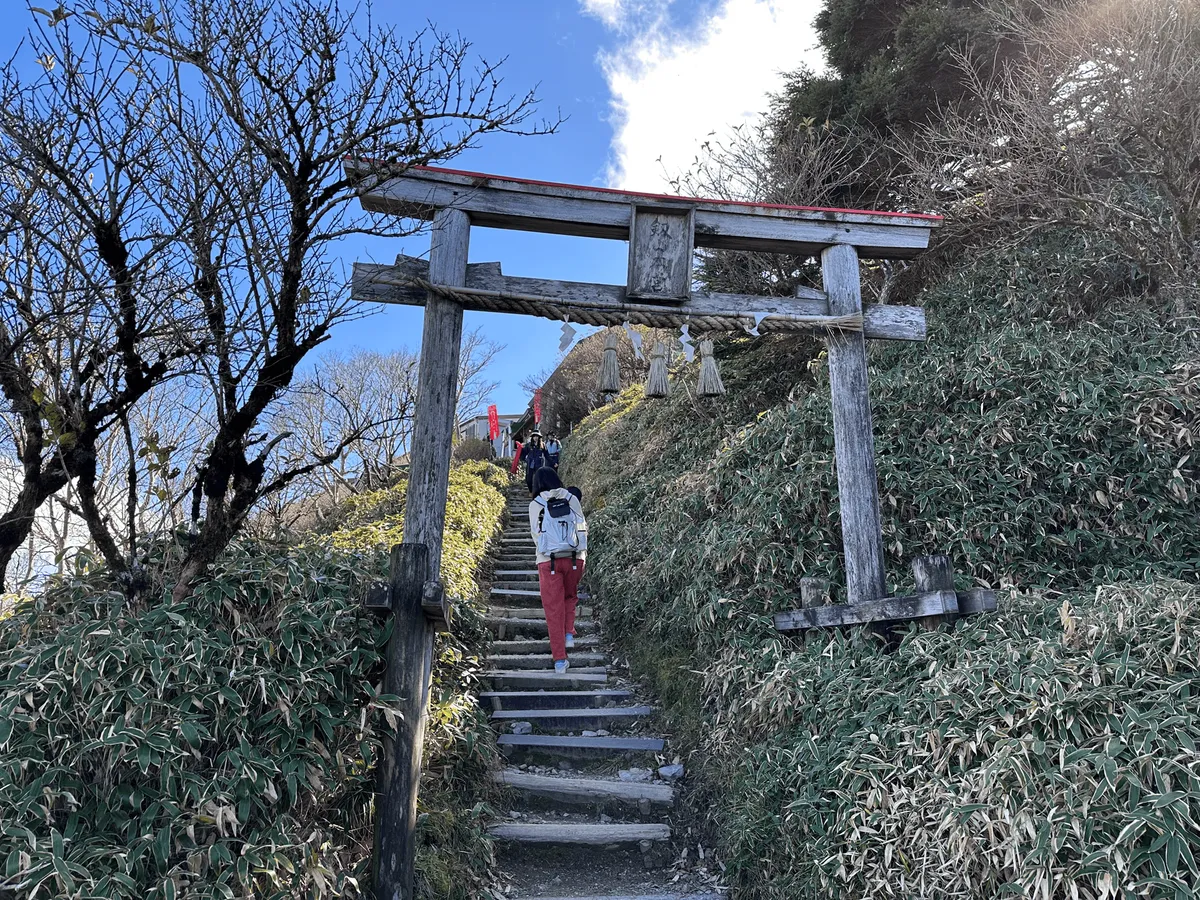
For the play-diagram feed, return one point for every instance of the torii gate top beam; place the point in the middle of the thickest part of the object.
(501, 202)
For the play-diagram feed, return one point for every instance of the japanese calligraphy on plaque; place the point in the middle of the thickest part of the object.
(660, 253)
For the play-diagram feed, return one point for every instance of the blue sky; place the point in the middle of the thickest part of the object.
(641, 83)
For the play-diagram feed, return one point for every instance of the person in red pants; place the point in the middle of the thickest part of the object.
(559, 530)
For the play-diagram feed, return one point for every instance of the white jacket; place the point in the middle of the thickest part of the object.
(538, 506)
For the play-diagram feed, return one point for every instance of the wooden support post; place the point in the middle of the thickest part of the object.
(437, 388)
(398, 772)
(854, 443)
(933, 573)
(418, 560)
(814, 592)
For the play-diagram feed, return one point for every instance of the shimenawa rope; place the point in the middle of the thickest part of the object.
(556, 308)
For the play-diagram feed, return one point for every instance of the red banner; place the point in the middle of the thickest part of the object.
(537, 406)
(493, 423)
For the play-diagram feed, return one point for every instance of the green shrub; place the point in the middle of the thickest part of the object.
(1045, 751)
(222, 747)
(1043, 438)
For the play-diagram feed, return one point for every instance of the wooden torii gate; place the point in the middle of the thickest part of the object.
(662, 232)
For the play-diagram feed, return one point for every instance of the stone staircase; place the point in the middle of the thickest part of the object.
(590, 794)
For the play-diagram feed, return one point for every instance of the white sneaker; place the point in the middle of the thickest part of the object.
(570, 641)
(561, 666)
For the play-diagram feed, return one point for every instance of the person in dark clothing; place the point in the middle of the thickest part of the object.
(576, 493)
(553, 449)
(534, 457)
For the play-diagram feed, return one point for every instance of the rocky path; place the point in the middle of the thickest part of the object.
(591, 786)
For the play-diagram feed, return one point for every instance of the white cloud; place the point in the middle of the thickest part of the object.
(620, 14)
(672, 89)
(610, 12)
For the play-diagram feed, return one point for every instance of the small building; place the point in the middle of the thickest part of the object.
(477, 427)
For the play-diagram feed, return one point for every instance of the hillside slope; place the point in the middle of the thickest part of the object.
(1043, 438)
(224, 746)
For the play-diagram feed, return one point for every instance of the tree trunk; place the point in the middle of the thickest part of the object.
(17, 524)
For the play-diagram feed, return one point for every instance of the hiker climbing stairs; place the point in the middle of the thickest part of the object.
(591, 786)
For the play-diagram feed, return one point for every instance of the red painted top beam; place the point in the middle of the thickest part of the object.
(924, 218)
(494, 201)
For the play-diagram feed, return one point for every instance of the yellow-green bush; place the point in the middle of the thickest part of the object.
(222, 747)
(1038, 450)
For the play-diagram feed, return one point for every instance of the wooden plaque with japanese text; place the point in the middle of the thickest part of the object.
(660, 253)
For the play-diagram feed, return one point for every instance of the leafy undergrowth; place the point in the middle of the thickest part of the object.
(1048, 750)
(1043, 451)
(222, 747)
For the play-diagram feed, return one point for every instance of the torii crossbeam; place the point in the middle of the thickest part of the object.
(663, 232)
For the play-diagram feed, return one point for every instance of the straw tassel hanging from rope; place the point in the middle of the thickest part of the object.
(657, 384)
(610, 371)
(710, 378)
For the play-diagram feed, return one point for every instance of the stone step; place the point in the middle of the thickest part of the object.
(527, 700)
(508, 648)
(543, 660)
(531, 611)
(586, 791)
(533, 598)
(560, 746)
(571, 680)
(518, 601)
(507, 627)
(518, 612)
(515, 574)
(523, 592)
(573, 719)
(572, 833)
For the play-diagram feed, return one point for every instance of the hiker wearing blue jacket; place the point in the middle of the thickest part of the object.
(534, 456)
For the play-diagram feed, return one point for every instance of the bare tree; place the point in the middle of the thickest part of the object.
(474, 385)
(173, 189)
(373, 394)
(1098, 128)
(805, 162)
(90, 319)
